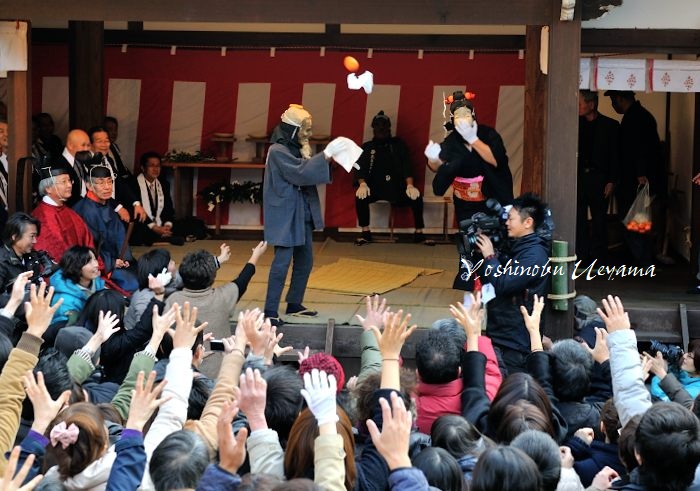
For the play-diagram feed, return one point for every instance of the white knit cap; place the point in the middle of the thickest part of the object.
(295, 115)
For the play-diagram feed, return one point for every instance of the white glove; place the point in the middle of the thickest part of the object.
(467, 131)
(432, 150)
(319, 392)
(363, 191)
(336, 146)
(412, 192)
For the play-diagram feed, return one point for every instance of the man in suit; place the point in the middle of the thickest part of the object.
(74, 156)
(111, 124)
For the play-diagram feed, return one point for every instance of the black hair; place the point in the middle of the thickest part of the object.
(590, 96)
(96, 129)
(145, 157)
(179, 461)
(198, 270)
(437, 358)
(284, 400)
(457, 435)
(610, 420)
(73, 260)
(544, 451)
(153, 263)
(110, 119)
(5, 349)
(258, 482)
(440, 468)
(668, 442)
(16, 226)
(531, 205)
(199, 394)
(627, 442)
(106, 301)
(506, 468)
(572, 370)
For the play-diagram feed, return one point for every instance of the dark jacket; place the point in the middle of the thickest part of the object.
(384, 165)
(407, 479)
(598, 147)
(591, 459)
(130, 464)
(12, 266)
(217, 479)
(640, 150)
(515, 287)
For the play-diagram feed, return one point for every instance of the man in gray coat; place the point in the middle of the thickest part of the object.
(292, 209)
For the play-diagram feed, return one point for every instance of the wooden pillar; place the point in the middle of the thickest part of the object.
(535, 104)
(86, 74)
(20, 132)
(695, 199)
(561, 142)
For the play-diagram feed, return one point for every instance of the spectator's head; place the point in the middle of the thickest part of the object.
(454, 331)
(178, 462)
(74, 450)
(71, 338)
(79, 264)
(54, 366)
(520, 404)
(528, 213)
(627, 442)
(381, 126)
(111, 124)
(506, 468)
(151, 165)
(587, 102)
(153, 263)
(76, 141)
(284, 400)
(610, 422)
(99, 140)
(572, 370)
(199, 395)
(437, 358)
(99, 179)
(298, 484)
(326, 362)
(364, 393)
(106, 301)
(55, 182)
(544, 451)
(299, 454)
(440, 468)
(621, 100)
(258, 482)
(45, 125)
(21, 232)
(458, 436)
(668, 447)
(691, 360)
(198, 270)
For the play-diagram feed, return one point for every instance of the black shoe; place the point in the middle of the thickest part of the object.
(275, 321)
(419, 238)
(298, 310)
(363, 239)
(175, 240)
(694, 291)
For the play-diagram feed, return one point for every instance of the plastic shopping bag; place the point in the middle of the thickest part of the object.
(638, 218)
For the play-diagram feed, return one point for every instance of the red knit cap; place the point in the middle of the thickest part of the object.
(327, 363)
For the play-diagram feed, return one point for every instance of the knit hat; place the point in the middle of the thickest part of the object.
(71, 338)
(295, 115)
(327, 363)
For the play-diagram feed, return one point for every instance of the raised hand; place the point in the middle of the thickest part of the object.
(273, 348)
(38, 311)
(657, 365)
(599, 352)
(470, 318)
(252, 397)
(392, 441)
(432, 151)
(144, 401)
(258, 251)
(532, 321)
(396, 331)
(225, 253)
(45, 408)
(12, 482)
(257, 331)
(18, 292)
(585, 434)
(319, 393)
(107, 325)
(231, 450)
(161, 325)
(185, 331)
(374, 315)
(604, 479)
(615, 317)
(303, 355)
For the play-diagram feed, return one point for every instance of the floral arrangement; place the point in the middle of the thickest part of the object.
(177, 156)
(235, 192)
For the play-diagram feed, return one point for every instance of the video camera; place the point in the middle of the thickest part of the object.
(671, 353)
(40, 264)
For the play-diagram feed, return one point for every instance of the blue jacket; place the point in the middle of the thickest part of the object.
(690, 384)
(130, 464)
(74, 296)
(407, 479)
(217, 479)
(290, 184)
(591, 459)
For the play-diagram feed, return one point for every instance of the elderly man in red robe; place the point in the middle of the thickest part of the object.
(61, 227)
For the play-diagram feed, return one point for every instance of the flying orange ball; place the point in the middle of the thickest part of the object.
(351, 64)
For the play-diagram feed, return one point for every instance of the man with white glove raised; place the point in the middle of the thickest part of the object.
(291, 206)
(385, 174)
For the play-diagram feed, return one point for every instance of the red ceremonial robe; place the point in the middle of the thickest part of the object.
(61, 228)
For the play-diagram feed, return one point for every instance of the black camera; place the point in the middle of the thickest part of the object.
(42, 265)
(491, 223)
(671, 353)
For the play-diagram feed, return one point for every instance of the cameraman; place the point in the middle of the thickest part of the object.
(17, 254)
(513, 283)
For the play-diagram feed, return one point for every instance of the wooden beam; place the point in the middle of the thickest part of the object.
(330, 39)
(86, 74)
(561, 144)
(19, 119)
(535, 103)
(479, 12)
(673, 41)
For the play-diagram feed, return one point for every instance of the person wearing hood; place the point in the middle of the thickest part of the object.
(292, 209)
(516, 279)
(473, 161)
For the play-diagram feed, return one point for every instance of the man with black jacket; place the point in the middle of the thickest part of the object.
(515, 279)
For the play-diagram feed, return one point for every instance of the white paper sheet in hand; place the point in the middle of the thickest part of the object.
(348, 157)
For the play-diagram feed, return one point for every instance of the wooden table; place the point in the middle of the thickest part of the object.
(183, 193)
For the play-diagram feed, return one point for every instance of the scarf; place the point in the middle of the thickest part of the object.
(146, 200)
